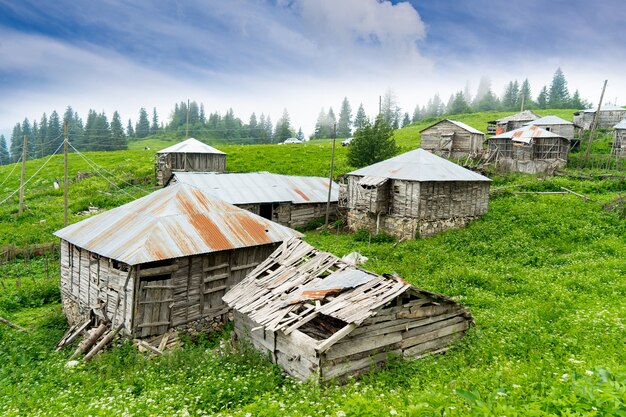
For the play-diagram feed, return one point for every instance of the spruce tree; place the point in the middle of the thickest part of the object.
(300, 135)
(42, 134)
(118, 138)
(27, 131)
(361, 118)
(345, 120)
(154, 127)
(372, 143)
(417, 114)
(459, 104)
(558, 96)
(283, 127)
(542, 98)
(525, 95)
(322, 124)
(54, 135)
(5, 158)
(142, 129)
(16, 142)
(406, 120)
(130, 132)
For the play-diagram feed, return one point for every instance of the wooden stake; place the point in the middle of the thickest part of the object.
(594, 124)
(330, 178)
(65, 179)
(24, 156)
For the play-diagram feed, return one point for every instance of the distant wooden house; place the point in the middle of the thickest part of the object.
(414, 194)
(190, 155)
(161, 261)
(555, 125)
(529, 149)
(515, 121)
(619, 138)
(609, 115)
(290, 200)
(320, 318)
(450, 138)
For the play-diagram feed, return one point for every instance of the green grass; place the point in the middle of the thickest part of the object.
(544, 277)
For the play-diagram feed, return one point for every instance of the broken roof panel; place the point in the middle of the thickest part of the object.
(191, 145)
(419, 165)
(260, 187)
(526, 134)
(173, 222)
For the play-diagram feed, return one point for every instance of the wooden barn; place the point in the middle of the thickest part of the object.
(322, 319)
(452, 139)
(555, 125)
(512, 122)
(529, 149)
(619, 138)
(161, 261)
(609, 115)
(414, 194)
(190, 155)
(290, 200)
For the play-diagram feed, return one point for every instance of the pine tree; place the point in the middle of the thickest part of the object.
(345, 120)
(484, 87)
(16, 142)
(142, 129)
(262, 137)
(558, 96)
(525, 95)
(390, 109)
(578, 103)
(510, 98)
(542, 98)
(406, 120)
(118, 138)
(283, 128)
(130, 132)
(322, 125)
(361, 118)
(372, 144)
(154, 127)
(417, 114)
(54, 134)
(300, 135)
(253, 127)
(103, 134)
(268, 129)
(4, 151)
(459, 104)
(27, 130)
(90, 138)
(40, 139)
(488, 101)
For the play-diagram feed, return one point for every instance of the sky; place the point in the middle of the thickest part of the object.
(265, 56)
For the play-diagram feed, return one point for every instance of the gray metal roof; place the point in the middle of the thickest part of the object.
(459, 124)
(419, 165)
(173, 222)
(620, 125)
(260, 187)
(191, 145)
(519, 117)
(549, 120)
(526, 134)
(605, 107)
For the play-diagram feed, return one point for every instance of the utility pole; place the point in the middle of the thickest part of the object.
(65, 179)
(24, 156)
(594, 124)
(330, 179)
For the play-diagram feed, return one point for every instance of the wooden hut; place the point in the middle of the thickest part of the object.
(450, 138)
(320, 318)
(619, 138)
(555, 125)
(512, 122)
(290, 200)
(190, 155)
(609, 115)
(161, 261)
(529, 149)
(414, 194)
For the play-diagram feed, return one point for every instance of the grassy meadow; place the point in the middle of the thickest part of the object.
(543, 275)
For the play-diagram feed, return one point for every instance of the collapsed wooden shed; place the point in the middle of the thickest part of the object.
(555, 125)
(608, 116)
(161, 261)
(529, 149)
(190, 155)
(515, 121)
(290, 200)
(320, 318)
(452, 139)
(414, 194)
(619, 139)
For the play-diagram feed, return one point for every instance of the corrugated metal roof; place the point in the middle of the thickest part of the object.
(526, 134)
(459, 124)
(261, 187)
(519, 117)
(605, 107)
(549, 120)
(419, 165)
(173, 222)
(191, 145)
(620, 125)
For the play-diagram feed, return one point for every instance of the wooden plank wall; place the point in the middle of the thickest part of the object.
(462, 142)
(444, 200)
(373, 200)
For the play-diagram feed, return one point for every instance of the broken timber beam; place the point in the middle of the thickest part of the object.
(15, 326)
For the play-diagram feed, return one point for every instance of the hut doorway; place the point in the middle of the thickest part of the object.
(266, 211)
(154, 312)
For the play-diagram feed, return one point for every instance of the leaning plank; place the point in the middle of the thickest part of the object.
(89, 341)
(15, 326)
(148, 346)
(73, 334)
(435, 334)
(105, 341)
(340, 334)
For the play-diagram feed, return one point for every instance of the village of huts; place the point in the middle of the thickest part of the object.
(322, 318)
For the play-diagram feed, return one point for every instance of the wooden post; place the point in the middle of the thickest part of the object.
(594, 124)
(65, 179)
(330, 178)
(24, 156)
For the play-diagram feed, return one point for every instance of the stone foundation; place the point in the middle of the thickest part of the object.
(531, 166)
(74, 313)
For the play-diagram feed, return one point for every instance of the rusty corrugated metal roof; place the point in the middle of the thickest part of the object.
(177, 221)
(260, 187)
(191, 145)
(526, 134)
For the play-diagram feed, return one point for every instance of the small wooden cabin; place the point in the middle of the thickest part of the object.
(322, 319)
(414, 194)
(290, 200)
(512, 122)
(529, 149)
(619, 138)
(190, 155)
(161, 261)
(555, 125)
(609, 115)
(452, 139)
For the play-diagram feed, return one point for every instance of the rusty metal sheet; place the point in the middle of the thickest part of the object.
(173, 222)
(526, 134)
(191, 145)
(333, 284)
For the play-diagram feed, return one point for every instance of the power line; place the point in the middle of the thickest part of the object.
(10, 173)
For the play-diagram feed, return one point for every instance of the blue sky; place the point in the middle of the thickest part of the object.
(302, 55)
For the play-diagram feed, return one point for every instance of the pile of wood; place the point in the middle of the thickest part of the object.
(158, 344)
(95, 338)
